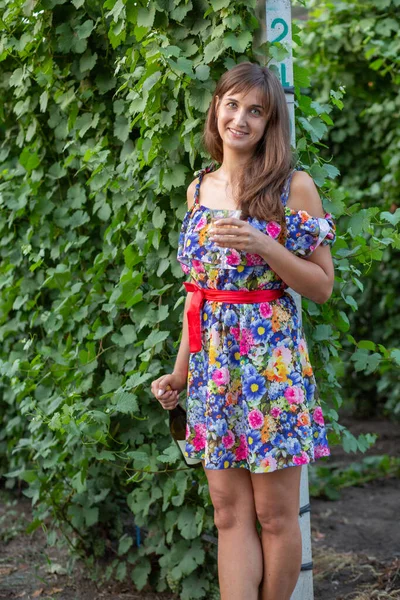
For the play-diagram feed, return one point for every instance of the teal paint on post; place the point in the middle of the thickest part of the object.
(285, 31)
(285, 83)
(278, 20)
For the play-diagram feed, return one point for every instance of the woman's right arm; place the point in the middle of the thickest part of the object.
(182, 359)
(168, 387)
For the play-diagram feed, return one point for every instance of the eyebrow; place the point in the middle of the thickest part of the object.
(256, 105)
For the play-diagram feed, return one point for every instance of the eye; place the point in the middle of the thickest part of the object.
(256, 109)
(231, 103)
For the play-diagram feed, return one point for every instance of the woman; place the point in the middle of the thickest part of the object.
(252, 405)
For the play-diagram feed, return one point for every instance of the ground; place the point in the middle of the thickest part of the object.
(356, 542)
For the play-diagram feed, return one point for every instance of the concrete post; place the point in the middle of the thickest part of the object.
(276, 20)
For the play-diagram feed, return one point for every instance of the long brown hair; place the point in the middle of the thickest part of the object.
(260, 183)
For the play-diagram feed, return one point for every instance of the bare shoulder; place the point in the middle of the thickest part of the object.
(190, 193)
(304, 195)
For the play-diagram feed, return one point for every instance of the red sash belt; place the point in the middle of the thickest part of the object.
(234, 296)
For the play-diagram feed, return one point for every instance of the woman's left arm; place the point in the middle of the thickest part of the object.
(313, 276)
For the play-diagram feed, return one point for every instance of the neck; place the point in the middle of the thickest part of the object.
(232, 164)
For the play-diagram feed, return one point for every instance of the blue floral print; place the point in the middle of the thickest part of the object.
(252, 400)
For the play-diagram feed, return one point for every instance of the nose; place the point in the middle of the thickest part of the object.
(240, 118)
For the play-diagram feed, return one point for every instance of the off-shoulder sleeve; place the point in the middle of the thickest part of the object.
(305, 232)
(329, 236)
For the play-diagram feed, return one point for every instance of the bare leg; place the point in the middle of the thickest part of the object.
(240, 561)
(277, 499)
(283, 562)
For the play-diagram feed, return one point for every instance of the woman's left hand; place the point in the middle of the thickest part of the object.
(244, 237)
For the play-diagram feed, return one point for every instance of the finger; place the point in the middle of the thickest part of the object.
(225, 232)
(170, 406)
(224, 221)
(167, 395)
(163, 387)
(173, 398)
(227, 221)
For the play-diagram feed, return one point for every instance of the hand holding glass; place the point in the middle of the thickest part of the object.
(224, 213)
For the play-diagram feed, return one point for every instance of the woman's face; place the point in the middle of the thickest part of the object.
(241, 119)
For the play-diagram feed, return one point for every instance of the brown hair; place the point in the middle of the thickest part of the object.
(259, 185)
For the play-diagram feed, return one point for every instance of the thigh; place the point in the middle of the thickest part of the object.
(277, 494)
(231, 494)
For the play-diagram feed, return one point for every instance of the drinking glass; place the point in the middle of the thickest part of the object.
(224, 213)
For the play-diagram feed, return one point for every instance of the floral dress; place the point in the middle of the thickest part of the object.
(252, 400)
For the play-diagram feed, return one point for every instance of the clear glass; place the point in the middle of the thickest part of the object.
(223, 213)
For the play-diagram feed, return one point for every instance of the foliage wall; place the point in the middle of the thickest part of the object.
(102, 112)
(357, 45)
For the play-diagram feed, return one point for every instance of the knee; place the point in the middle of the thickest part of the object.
(276, 524)
(225, 516)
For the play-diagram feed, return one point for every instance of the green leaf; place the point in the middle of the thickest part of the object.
(187, 523)
(125, 542)
(129, 333)
(393, 218)
(151, 81)
(184, 65)
(213, 50)
(351, 302)
(117, 9)
(218, 4)
(29, 159)
(120, 573)
(141, 32)
(343, 322)
(238, 43)
(170, 455)
(385, 27)
(158, 218)
(202, 72)
(192, 556)
(395, 355)
(349, 442)
(17, 77)
(323, 332)
(360, 222)
(318, 174)
(126, 403)
(366, 344)
(336, 96)
(180, 12)
(141, 572)
(278, 52)
(171, 51)
(87, 62)
(330, 170)
(111, 382)
(301, 76)
(176, 177)
(155, 337)
(145, 16)
(83, 123)
(91, 515)
(83, 31)
(43, 100)
(121, 128)
(105, 83)
(315, 126)
(195, 586)
(363, 361)
(200, 98)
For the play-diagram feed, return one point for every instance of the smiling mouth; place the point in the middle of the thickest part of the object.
(237, 133)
